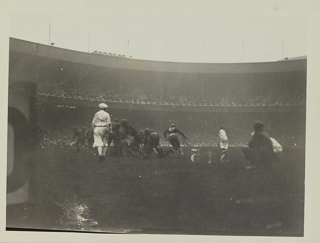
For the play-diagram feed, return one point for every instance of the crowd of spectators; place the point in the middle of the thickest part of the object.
(173, 97)
(58, 137)
(154, 95)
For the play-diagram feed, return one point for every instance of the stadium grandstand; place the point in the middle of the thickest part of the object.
(199, 97)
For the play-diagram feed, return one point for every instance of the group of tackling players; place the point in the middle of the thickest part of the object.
(124, 139)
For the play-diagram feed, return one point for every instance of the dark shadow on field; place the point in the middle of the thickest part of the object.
(171, 195)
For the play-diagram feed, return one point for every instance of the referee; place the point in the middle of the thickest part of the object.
(101, 125)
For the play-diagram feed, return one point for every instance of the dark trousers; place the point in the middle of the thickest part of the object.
(259, 158)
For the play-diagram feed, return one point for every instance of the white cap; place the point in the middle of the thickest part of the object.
(103, 106)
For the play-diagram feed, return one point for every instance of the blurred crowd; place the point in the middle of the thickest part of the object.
(185, 95)
(58, 137)
(173, 97)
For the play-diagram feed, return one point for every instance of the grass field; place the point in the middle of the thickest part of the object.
(73, 191)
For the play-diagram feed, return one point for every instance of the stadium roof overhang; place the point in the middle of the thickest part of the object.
(22, 47)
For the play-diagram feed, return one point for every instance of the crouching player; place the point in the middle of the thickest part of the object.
(260, 149)
(129, 138)
(114, 137)
(79, 137)
(151, 144)
(173, 137)
(90, 138)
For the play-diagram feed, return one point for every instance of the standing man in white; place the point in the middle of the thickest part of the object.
(224, 144)
(101, 125)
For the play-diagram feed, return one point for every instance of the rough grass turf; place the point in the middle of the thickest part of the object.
(170, 195)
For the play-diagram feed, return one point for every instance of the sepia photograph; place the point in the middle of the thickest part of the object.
(155, 120)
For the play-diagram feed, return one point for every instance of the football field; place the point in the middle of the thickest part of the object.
(74, 191)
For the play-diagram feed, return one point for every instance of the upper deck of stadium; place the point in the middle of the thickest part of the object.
(78, 78)
(33, 50)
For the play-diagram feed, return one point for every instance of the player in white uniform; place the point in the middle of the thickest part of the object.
(224, 144)
(101, 125)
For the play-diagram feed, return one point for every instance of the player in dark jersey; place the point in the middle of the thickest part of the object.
(90, 138)
(129, 138)
(114, 137)
(260, 149)
(151, 141)
(79, 137)
(171, 133)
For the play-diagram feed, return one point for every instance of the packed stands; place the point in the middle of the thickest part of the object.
(106, 92)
